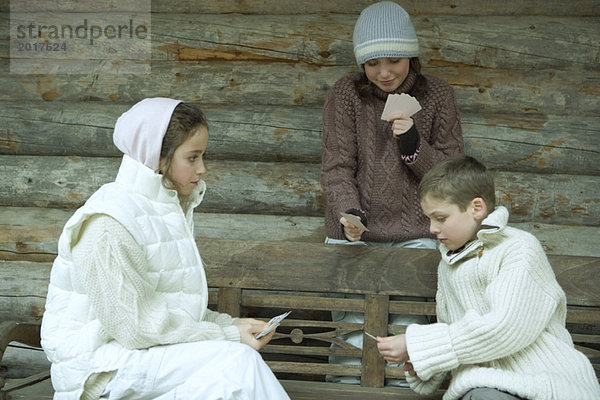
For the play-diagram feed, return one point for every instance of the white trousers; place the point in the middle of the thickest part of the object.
(207, 370)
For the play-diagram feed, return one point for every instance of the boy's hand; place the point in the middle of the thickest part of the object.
(401, 124)
(249, 327)
(351, 231)
(408, 367)
(393, 349)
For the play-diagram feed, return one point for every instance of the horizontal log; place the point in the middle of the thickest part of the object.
(520, 43)
(282, 188)
(292, 83)
(323, 268)
(258, 133)
(234, 187)
(295, 7)
(565, 144)
(32, 233)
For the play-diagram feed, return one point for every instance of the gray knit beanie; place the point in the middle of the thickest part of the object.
(384, 30)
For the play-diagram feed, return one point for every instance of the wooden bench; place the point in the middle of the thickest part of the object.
(262, 278)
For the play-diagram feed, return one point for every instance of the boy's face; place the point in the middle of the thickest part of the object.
(453, 227)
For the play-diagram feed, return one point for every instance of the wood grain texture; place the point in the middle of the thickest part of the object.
(295, 7)
(31, 233)
(260, 265)
(477, 89)
(289, 189)
(526, 143)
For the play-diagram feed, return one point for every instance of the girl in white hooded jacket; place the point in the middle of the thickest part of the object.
(126, 312)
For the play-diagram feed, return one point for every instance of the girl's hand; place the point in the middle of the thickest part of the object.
(393, 349)
(400, 124)
(351, 231)
(249, 328)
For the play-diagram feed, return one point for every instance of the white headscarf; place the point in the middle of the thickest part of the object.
(139, 131)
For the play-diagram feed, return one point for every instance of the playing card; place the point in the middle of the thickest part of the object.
(272, 324)
(400, 104)
(354, 220)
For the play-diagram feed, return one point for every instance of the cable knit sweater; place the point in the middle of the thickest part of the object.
(501, 323)
(362, 167)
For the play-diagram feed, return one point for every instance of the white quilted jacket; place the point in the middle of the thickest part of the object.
(72, 338)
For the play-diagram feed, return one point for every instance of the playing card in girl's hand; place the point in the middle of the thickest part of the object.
(400, 104)
(272, 324)
(354, 220)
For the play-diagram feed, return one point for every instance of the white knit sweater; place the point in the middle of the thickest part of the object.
(128, 276)
(501, 323)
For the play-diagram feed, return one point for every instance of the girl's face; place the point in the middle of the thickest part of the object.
(452, 227)
(387, 73)
(187, 165)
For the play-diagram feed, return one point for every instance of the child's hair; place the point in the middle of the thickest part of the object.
(458, 180)
(185, 121)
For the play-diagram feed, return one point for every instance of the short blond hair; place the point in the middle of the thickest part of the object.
(458, 180)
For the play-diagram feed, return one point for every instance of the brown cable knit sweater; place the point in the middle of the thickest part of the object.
(361, 163)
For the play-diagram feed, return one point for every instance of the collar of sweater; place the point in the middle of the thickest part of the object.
(490, 232)
(137, 178)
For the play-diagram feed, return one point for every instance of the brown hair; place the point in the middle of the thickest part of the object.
(365, 88)
(185, 121)
(458, 180)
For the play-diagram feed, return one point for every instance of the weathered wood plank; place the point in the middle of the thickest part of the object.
(325, 268)
(258, 133)
(568, 144)
(376, 320)
(515, 42)
(23, 290)
(282, 188)
(519, 43)
(32, 233)
(289, 189)
(295, 7)
(235, 83)
(322, 267)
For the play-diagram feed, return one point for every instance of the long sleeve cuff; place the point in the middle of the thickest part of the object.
(430, 349)
(408, 143)
(232, 333)
(425, 387)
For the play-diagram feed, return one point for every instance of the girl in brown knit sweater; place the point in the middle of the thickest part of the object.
(371, 167)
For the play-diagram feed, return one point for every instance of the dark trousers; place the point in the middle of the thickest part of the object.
(488, 394)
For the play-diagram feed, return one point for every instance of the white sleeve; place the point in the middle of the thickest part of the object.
(111, 267)
(522, 298)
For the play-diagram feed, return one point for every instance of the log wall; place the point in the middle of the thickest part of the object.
(526, 76)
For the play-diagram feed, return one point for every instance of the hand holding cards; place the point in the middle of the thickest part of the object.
(272, 324)
(400, 104)
(354, 220)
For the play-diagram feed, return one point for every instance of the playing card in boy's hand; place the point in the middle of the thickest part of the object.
(272, 324)
(354, 220)
(400, 104)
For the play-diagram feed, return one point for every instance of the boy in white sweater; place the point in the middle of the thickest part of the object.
(501, 313)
